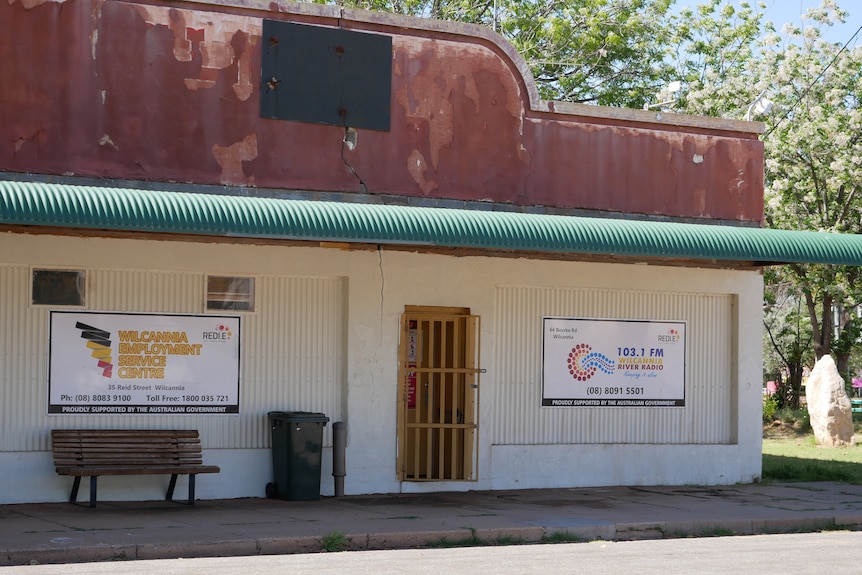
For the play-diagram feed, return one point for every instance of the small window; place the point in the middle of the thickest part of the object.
(232, 293)
(56, 287)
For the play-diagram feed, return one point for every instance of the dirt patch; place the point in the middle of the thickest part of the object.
(782, 430)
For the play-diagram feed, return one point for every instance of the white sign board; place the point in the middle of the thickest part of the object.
(612, 363)
(111, 363)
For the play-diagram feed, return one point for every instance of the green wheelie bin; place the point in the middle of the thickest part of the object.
(297, 442)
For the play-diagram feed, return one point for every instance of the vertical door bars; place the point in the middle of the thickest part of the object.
(437, 433)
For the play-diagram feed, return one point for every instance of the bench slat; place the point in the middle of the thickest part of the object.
(126, 462)
(127, 438)
(120, 450)
(126, 444)
(118, 446)
(124, 432)
(123, 470)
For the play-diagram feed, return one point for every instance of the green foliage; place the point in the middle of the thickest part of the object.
(709, 532)
(562, 537)
(508, 540)
(334, 541)
(609, 52)
(813, 176)
(716, 532)
(770, 406)
(472, 541)
(726, 55)
(786, 338)
(714, 46)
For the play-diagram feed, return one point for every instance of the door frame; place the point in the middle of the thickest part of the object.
(428, 444)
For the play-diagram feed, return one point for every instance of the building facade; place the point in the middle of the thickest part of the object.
(399, 257)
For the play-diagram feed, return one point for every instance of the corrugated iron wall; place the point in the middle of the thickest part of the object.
(23, 364)
(292, 353)
(519, 419)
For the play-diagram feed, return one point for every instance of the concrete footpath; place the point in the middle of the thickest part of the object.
(65, 533)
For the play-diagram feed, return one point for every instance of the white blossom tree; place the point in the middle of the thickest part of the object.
(812, 140)
(813, 147)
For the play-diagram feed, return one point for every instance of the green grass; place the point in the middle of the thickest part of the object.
(334, 541)
(562, 537)
(791, 454)
(709, 532)
(799, 459)
(472, 541)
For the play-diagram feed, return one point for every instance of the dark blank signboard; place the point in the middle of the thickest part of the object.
(325, 76)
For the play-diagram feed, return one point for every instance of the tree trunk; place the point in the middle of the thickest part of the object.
(842, 362)
(821, 328)
(794, 381)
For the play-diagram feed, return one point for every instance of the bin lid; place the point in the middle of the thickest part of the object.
(298, 416)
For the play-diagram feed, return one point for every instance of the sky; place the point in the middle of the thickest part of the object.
(781, 12)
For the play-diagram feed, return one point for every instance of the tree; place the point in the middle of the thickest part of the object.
(620, 52)
(609, 52)
(814, 169)
(813, 139)
(787, 341)
(714, 48)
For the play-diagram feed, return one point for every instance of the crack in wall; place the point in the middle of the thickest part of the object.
(528, 171)
(349, 142)
(379, 346)
(382, 285)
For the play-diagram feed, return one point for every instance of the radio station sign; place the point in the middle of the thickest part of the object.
(612, 363)
(111, 363)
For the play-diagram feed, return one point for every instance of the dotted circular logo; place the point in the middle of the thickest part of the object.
(583, 362)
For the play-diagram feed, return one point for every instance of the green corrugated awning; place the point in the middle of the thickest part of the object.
(128, 209)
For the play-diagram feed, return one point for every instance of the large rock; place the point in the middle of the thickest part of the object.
(828, 405)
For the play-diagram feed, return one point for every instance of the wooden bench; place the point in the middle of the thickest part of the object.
(856, 405)
(95, 452)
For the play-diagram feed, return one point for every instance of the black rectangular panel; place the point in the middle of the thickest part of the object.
(325, 75)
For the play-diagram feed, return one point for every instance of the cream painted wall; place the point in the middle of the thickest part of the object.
(374, 288)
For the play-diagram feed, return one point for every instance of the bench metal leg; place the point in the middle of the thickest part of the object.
(191, 489)
(75, 485)
(171, 486)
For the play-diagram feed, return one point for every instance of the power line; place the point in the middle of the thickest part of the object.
(814, 81)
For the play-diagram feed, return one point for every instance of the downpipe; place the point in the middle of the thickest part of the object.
(339, 449)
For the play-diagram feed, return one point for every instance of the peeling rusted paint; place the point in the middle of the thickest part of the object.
(106, 141)
(462, 114)
(28, 4)
(210, 37)
(171, 94)
(438, 73)
(231, 158)
(417, 166)
(424, 97)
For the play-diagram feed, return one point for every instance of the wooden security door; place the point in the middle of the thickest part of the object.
(438, 397)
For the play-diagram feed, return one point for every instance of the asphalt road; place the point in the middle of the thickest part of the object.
(810, 554)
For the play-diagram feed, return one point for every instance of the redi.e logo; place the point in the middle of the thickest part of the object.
(221, 333)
